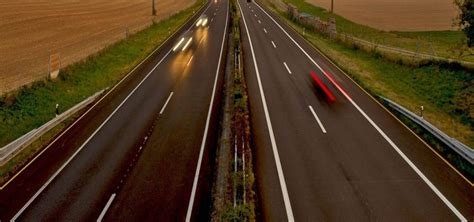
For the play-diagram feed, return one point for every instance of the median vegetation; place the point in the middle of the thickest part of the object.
(446, 91)
(234, 196)
(31, 107)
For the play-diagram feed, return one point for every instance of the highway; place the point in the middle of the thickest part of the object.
(348, 160)
(145, 151)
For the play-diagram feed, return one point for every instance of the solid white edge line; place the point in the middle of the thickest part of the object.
(166, 103)
(85, 143)
(287, 69)
(317, 119)
(281, 177)
(203, 143)
(381, 132)
(274, 46)
(104, 211)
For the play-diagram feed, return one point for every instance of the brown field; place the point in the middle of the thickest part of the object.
(396, 15)
(74, 28)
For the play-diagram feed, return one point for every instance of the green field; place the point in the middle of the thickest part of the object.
(443, 43)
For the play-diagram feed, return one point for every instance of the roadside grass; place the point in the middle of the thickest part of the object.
(446, 44)
(447, 93)
(30, 107)
(14, 165)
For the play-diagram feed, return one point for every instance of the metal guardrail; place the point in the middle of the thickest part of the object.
(464, 151)
(9, 151)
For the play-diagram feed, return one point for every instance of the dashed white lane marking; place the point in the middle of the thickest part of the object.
(86, 142)
(317, 119)
(259, 22)
(281, 177)
(190, 59)
(265, 30)
(274, 46)
(287, 69)
(166, 103)
(104, 211)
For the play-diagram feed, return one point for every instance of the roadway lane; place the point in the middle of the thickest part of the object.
(159, 187)
(81, 187)
(322, 161)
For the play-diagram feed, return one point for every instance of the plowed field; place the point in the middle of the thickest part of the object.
(74, 28)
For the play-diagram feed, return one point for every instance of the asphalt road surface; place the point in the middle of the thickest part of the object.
(145, 151)
(349, 160)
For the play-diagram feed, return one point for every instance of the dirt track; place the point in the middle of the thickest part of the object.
(396, 15)
(74, 28)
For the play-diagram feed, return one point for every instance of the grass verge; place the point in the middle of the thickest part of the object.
(31, 107)
(448, 44)
(446, 92)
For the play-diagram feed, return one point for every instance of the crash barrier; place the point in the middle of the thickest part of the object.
(9, 151)
(464, 151)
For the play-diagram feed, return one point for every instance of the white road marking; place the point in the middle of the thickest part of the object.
(190, 59)
(287, 69)
(259, 22)
(317, 119)
(265, 30)
(274, 46)
(166, 103)
(203, 143)
(281, 177)
(104, 211)
(381, 132)
(255, 15)
(85, 143)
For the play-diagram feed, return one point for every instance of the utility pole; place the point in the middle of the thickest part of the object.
(153, 10)
(332, 6)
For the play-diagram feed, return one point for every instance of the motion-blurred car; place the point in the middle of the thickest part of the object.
(202, 21)
(184, 42)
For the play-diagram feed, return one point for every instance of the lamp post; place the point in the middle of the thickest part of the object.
(332, 6)
(153, 10)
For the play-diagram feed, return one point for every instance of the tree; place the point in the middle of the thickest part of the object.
(466, 19)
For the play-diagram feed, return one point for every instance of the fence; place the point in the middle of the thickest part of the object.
(461, 149)
(9, 151)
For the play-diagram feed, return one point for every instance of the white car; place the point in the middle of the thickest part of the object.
(202, 21)
(183, 43)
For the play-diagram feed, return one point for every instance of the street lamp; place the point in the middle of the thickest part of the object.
(153, 10)
(332, 6)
